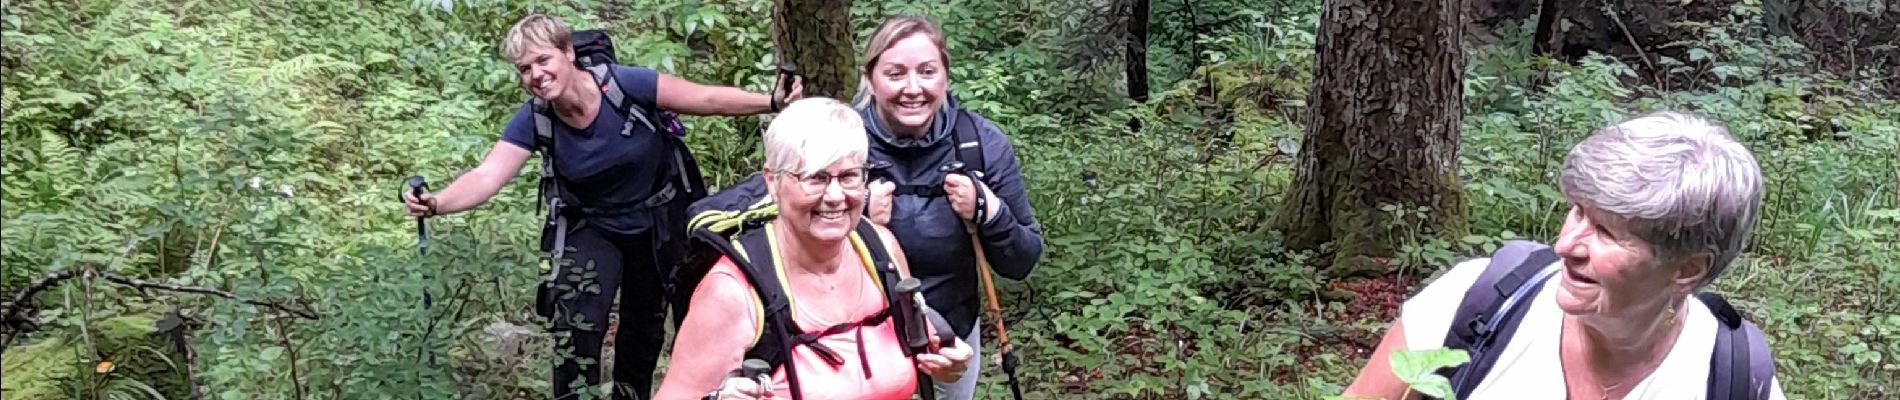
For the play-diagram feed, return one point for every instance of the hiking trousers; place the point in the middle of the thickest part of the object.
(619, 264)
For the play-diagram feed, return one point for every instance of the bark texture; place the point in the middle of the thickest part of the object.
(816, 34)
(1381, 128)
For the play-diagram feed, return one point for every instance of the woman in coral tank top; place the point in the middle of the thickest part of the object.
(815, 156)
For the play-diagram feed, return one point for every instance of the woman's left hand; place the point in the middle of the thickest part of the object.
(962, 192)
(782, 97)
(948, 363)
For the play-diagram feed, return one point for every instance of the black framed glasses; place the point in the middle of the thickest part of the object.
(849, 180)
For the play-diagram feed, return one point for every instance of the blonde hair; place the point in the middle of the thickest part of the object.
(813, 133)
(535, 30)
(893, 30)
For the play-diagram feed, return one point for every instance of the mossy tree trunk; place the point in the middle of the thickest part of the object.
(1381, 128)
(816, 34)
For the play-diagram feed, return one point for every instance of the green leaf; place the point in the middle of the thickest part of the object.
(63, 97)
(271, 354)
(1418, 369)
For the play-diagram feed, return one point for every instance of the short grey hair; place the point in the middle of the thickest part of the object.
(1682, 182)
(813, 133)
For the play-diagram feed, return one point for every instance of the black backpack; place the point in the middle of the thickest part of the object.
(734, 223)
(1740, 368)
(594, 51)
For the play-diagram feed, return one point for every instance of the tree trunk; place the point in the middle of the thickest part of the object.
(1137, 66)
(1542, 41)
(816, 34)
(1381, 128)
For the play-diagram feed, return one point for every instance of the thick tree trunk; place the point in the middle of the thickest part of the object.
(1137, 66)
(816, 34)
(1381, 128)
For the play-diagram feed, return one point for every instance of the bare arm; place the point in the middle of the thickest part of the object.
(713, 339)
(1375, 379)
(686, 97)
(475, 187)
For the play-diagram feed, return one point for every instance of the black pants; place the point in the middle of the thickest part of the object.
(624, 264)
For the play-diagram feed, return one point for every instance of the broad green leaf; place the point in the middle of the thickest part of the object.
(1418, 369)
(270, 353)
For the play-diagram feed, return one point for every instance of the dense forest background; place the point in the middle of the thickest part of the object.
(251, 152)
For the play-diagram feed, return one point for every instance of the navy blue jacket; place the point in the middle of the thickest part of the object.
(929, 230)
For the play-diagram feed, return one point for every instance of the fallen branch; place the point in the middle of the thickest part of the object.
(21, 315)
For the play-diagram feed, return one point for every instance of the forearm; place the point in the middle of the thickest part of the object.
(468, 191)
(729, 101)
(1013, 245)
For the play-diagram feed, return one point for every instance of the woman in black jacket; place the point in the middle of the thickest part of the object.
(925, 149)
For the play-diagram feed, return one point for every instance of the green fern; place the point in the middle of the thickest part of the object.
(308, 66)
(59, 165)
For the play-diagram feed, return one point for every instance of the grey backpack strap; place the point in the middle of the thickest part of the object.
(544, 143)
(1488, 315)
(1741, 366)
(617, 99)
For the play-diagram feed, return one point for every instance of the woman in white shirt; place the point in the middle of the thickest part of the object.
(1661, 206)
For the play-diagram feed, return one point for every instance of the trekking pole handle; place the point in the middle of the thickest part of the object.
(976, 180)
(787, 73)
(915, 334)
(417, 185)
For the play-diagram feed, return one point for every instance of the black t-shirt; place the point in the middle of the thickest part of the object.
(612, 160)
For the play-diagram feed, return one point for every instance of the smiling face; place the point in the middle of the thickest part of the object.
(1607, 270)
(908, 82)
(821, 207)
(541, 69)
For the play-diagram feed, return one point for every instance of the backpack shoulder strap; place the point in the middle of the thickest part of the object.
(885, 268)
(969, 143)
(617, 96)
(544, 144)
(1488, 315)
(760, 268)
(1740, 367)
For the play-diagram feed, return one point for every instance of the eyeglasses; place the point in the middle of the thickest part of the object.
(852, 179)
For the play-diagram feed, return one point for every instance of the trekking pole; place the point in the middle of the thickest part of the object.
(993, 308)
(916, 333)
(787, 72)
(416, 186)
(754, 369)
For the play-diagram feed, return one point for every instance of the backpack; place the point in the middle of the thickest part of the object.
(594, 51)
(734, 223)
(1740, 367)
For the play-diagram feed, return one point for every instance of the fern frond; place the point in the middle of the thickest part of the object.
(60, 163)
(312, 65)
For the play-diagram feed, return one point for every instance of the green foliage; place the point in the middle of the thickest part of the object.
(1419, 370)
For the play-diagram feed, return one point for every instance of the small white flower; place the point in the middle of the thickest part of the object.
(256, 182)
(284, 190)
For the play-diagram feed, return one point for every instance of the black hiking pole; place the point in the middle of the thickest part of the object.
(916, 334)
(416, 186)
(787, 73)
(756, 370)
